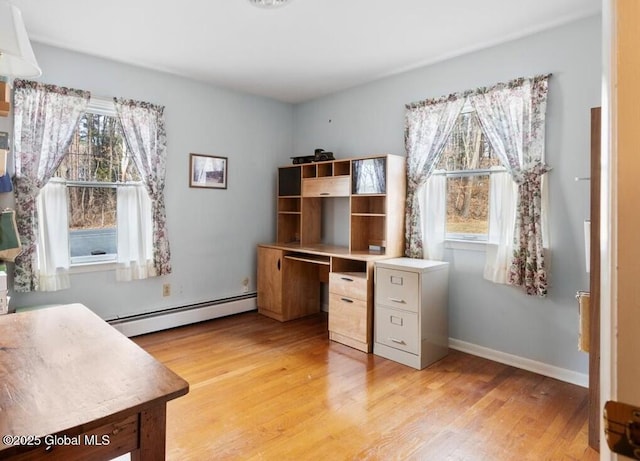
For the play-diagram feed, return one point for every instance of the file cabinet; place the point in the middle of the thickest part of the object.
(411, 316)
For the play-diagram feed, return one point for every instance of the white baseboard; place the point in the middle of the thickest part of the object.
(140, 325)
(562, 374)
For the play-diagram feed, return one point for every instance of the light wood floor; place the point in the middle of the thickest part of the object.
(265, 390)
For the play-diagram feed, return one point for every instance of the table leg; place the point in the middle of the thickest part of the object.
(153, 432)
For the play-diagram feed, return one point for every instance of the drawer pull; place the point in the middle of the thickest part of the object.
(397, 341)
(397, 300)
(346, 279)
(325, 193)
(347, 300)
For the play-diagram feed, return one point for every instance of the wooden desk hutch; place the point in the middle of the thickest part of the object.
(291, 269)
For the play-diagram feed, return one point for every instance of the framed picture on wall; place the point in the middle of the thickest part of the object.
(207, 171)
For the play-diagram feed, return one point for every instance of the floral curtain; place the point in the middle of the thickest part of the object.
(428, 125)
(512, 116)
(144, 132)
(45, 117)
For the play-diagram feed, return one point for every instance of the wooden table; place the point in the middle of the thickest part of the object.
(74, 388)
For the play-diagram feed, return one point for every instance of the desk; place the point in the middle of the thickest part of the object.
(289, 277)
(77, 389)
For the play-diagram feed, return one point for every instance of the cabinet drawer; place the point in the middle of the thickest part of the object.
(348, 317)
(337, 186)
(397, 289)
(397, 329)
(349, 284)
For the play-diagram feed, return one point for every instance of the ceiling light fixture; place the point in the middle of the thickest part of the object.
(269, 4)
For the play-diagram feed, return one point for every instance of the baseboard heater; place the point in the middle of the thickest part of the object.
(140, 324)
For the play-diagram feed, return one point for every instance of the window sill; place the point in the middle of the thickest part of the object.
(101, 266)
(468, 245)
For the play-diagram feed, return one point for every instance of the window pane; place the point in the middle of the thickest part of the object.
(467, 148)
(468, 205)
(97, 152)
(92, 222)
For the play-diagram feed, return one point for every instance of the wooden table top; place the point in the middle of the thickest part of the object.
(65, 369)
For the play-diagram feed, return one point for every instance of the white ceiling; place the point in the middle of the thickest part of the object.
(307, 49)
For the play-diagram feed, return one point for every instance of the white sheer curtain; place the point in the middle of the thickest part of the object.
(52, 238)
(135, 233)
(503, 199)
(433, 201)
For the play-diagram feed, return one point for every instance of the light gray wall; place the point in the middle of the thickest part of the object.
(369, 119)
(213, 233)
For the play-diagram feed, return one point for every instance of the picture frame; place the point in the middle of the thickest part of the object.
(208, 171)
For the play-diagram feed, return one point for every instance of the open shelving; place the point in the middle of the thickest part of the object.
(375, 187)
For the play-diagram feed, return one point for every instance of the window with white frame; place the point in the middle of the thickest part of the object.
(467, 162)
(95, 165)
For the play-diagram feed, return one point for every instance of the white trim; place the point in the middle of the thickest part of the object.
(469, 245)
(562, 374)
(82, 268)
(172, 319)
(608, 218)
(102, 106)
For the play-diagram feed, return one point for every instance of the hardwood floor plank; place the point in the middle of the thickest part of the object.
(265, 390)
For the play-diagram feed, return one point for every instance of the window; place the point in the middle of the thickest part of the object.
(467, 161)
(96, 163)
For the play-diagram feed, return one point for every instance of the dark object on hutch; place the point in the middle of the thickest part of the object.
(319, 155)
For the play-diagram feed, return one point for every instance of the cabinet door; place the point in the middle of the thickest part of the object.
(335, 186)
(369, 176)
(270, 281)
(289, 181)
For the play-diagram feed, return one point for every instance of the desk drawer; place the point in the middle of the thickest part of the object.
(334, 186)
(105, 442)
(348, 317)
(349, 284)
(397, 329)
(397, 289)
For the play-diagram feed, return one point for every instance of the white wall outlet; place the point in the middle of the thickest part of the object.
(166, 289)
(245, 284)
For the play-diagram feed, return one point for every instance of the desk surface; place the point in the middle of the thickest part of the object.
(328, 250)
(65, 369)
